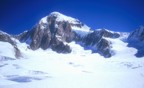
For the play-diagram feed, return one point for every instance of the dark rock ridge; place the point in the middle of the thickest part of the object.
(136, 40)
(7, 38)
(97, 43)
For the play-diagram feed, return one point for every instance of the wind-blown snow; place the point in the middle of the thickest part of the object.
(79, 69)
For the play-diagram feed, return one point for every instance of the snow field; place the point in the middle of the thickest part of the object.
(79, 69)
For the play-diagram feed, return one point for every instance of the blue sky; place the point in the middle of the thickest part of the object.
(117, 15)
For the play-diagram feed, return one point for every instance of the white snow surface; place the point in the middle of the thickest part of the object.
(79, 69)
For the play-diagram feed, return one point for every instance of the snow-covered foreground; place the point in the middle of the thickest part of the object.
(80, 69)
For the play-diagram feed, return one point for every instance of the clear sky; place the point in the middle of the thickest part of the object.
(117, 15)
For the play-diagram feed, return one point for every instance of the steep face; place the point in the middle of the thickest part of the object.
(4, 37)
(136, 40)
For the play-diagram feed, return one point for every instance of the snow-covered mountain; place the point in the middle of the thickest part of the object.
(56, 30)
(62, 52)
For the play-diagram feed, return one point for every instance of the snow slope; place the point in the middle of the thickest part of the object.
(79, 69)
